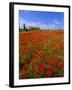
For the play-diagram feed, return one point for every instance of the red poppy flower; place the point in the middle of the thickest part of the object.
(23, 68)
(52, 63)
(32, 70)
(50, 58)
(41, 67)
(38, 73)
(24, 76)
(54, 58)
(62, 68)
(62, 59)
(49, 73)
(59, 59)
(52, 69)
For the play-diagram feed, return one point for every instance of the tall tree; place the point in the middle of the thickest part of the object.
(24, 27)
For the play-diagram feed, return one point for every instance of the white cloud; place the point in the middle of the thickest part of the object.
(51, 26)
(44, 26)
(56, 24)
(56, 21)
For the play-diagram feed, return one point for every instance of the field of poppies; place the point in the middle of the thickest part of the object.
(41, 54)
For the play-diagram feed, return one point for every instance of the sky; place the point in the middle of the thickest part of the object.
(44, 20)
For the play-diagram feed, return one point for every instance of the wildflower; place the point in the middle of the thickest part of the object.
(42, 68)
(32, 70)
(49, 73)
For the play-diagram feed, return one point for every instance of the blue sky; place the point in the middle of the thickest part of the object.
(42, 19)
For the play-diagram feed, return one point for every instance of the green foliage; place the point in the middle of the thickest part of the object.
(32, 75)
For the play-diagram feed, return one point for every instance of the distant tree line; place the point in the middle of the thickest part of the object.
(31, 28)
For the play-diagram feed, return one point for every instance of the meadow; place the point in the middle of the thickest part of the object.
(41, 54)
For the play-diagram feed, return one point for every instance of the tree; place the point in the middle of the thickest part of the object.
(24, 27)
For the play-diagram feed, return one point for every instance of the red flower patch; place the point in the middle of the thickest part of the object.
(42, 53)
(42, 68)
(32, 70)
(49, 73)
(24, 76)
